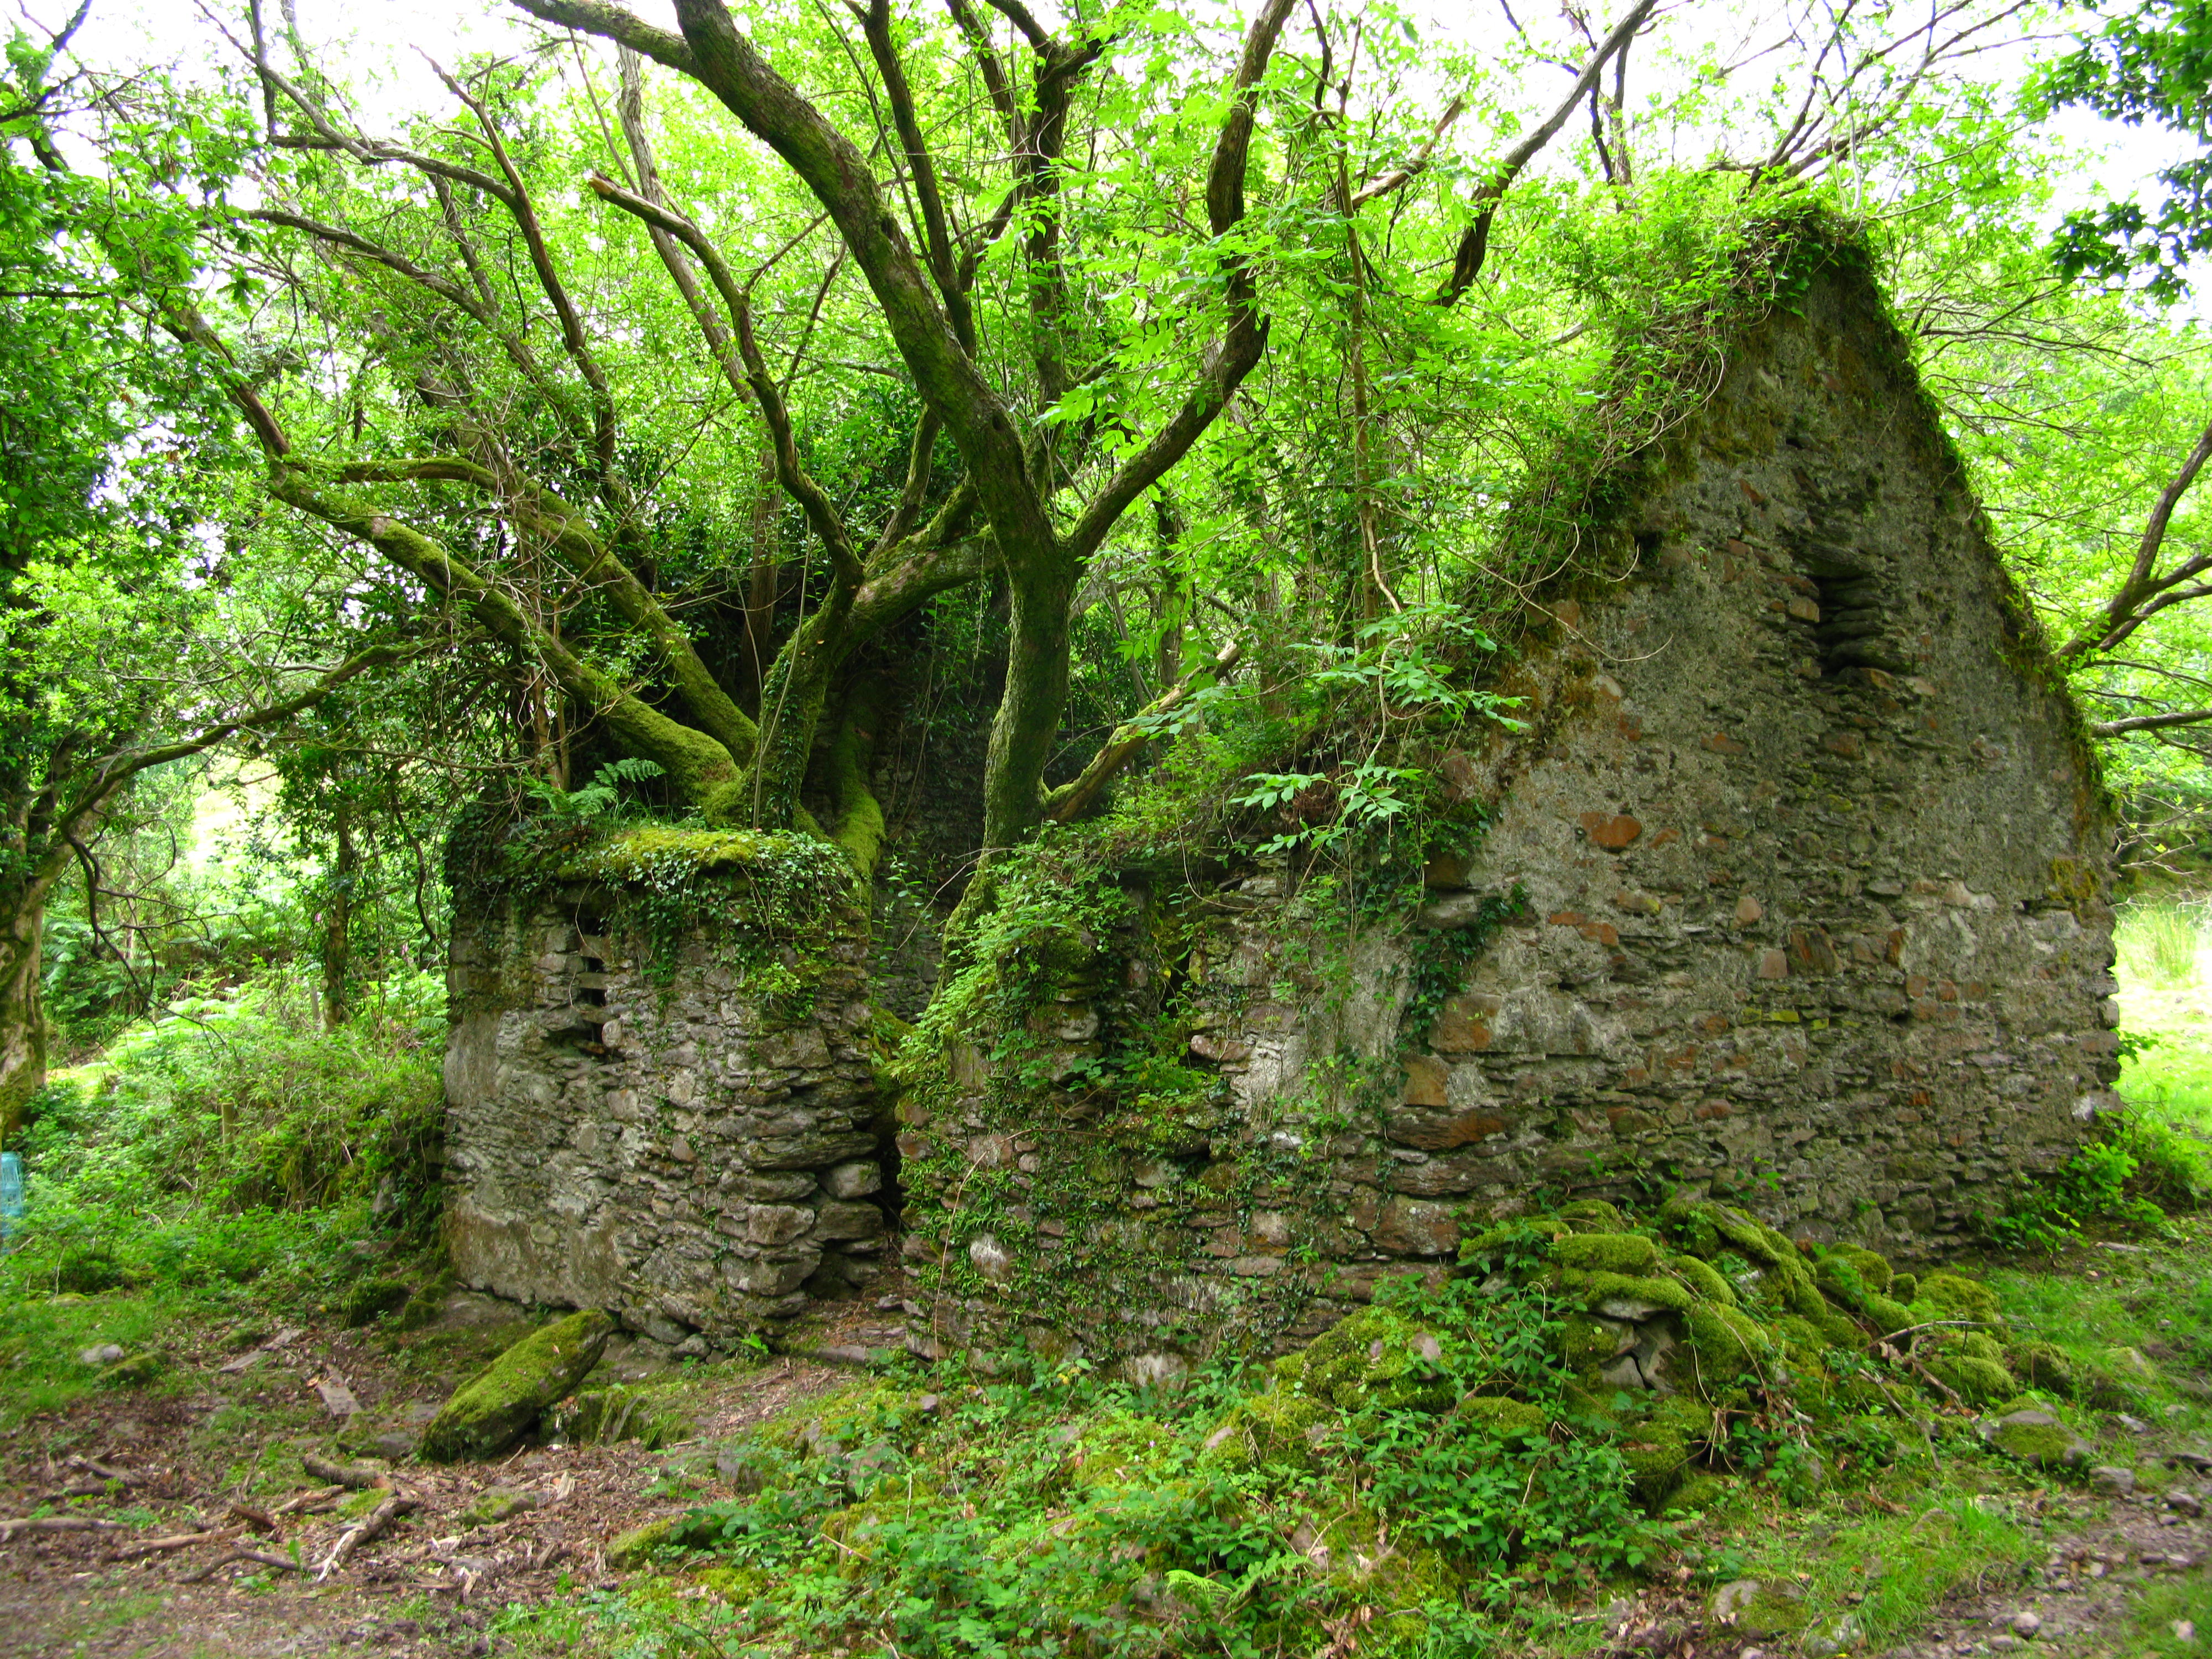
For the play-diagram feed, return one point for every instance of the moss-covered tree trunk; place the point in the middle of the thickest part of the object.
(22, 1008)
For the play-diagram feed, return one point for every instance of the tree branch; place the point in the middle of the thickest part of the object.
(1474, 241)
(1071, 800)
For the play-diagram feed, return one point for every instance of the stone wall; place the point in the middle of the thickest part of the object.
(1806, 864)
(646, 1130)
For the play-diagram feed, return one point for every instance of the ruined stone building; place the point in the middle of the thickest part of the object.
(1794, 890)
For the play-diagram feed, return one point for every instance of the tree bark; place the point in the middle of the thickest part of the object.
(338, 924)
(23, 1003)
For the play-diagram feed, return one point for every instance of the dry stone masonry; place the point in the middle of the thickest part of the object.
(1802, 864)
(655, 1137)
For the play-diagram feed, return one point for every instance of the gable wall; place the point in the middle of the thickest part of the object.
(1814, 872)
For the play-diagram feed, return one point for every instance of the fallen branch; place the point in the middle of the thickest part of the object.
(59, 1524)
(355, 1477)
(375, 1524)
(93, 1466)
(260, 1520)
(315, 1498)
(283, 1562)
(177, 1541)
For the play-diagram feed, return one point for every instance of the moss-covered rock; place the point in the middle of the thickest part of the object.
(494, 1409)
(1891, 1316)
(1278, 1428)
(1375, 1357)
(1611, 1253)
(2043, 1365)
(1727, 1342)
(1632, 1296)
(1592, 1215)
(1905, 1287)
(133, 1372)
(602, 1417)
(1586, 1340)
(1872, 1266)
(1978, 1381)
(494, 1504)
(1503, 1417)
(1954, 1295)
(1757, 1608)
(369, 1299)
(2130, 1365)
(2037, 1438)
(1658, 1449)
(1703, 1278)
(1701, 1493)
(630, 1550)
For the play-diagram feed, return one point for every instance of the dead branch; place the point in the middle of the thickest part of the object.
(375, 1524)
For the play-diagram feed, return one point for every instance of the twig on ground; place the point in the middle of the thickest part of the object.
(373, 1524)
(177, 1541)
(57, 1523)
(263, 1557)
(259, 1519)
(318, 1498)
(356, 1477)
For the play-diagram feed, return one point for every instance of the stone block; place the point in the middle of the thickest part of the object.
(855, 1180)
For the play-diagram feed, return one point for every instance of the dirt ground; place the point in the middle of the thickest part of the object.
(203, 1537)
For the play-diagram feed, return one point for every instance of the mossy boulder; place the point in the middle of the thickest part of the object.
(2038, 1438)
(1728, 1342)
(1504, 1418)
(2130, 1366)
(1700, 1492)
(494, 1504)
(1758, 1607)
(1630, 1296)
(1976, 1378)
(368, 1300)
(1592, 1215)
(1278, 1428)
(134, 1371)
(494, 1409)
(1892, 1317)
(1703, 1278)
(1658, 1449)
(1954, 1295)
(2043, 1365)
(628, 1551)
(1905, 1287)
(1611, 1253)
(1375, 1357)
(602, 1417)
(1871, 1266)
(1586, 1340)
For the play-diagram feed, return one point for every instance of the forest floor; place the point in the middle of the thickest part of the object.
(164, 1483)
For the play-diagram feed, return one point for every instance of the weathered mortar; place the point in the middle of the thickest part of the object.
(1811, 861)
(692, 1155)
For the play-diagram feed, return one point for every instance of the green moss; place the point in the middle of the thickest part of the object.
(628, 1551)
(1727, 1343)
(1503, 1416)
(1592, 1215)
(1585, 1341)
(1610, 1253)
(1594, 1288)
(604, 1417)
(1753, 1607)
(1278, 1428)
(1872, 1267)
(496, 1408)
(1372, 1357)
(2043, 1365)
(1703, 1278)
(1702, 1494)
(1892, 1317)
(2038, 1438)
(369, 1299)
(1956, 1297)
(1981, 1381)
(1906, 1287)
